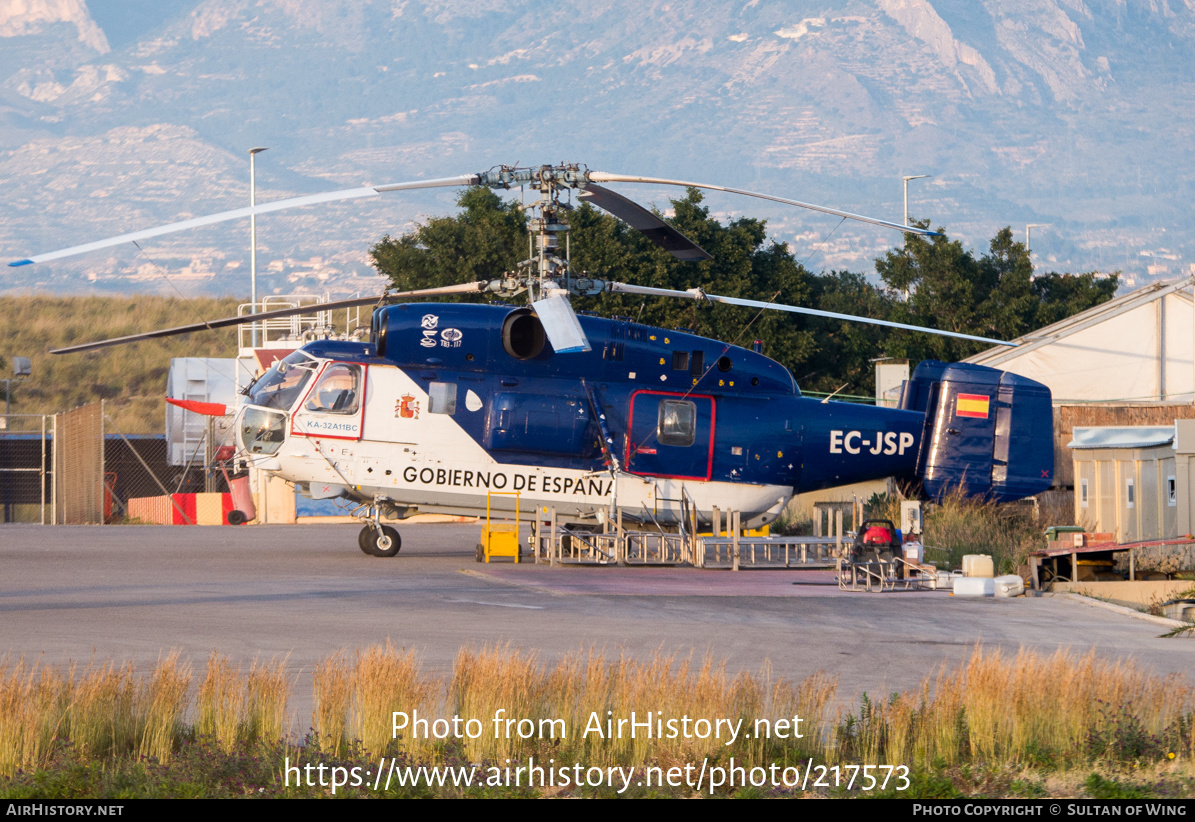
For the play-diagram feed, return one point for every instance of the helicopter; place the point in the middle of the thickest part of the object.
(448, 403)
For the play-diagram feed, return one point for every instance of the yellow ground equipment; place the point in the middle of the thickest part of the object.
(499, 539)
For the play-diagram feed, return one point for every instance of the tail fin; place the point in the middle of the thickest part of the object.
(987, 432)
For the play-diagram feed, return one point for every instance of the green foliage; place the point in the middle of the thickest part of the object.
(1062, 295)
(744, 265)
(845, 350)
(1028, 788)
(950, 289)
(487, 238)
(1121, 737)
(1098, 787)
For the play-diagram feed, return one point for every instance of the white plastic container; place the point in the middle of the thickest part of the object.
(1009, 586)
(944, 580)
(974, 587)
(978, 565)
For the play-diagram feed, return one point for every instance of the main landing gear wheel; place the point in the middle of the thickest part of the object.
(365, 541)
(383, 543)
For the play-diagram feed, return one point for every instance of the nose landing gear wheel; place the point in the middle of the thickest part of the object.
(383, 543)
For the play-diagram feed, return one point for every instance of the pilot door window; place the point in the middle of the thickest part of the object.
(338, 391)
(677, 423)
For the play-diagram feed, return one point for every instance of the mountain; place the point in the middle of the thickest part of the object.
(1070, 113)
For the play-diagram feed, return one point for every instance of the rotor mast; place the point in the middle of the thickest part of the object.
(547, 272)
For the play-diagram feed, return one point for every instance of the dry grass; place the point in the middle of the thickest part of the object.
(1014, 711)
(386, 680)
(101, 714)
(164, 704)
(134, 374)
(958, 525)
(32, 702)
(490, 680)
(577, 706)
(220, 709)
(332, 698)
(1020, 711)
(267, 692)
(131, 377)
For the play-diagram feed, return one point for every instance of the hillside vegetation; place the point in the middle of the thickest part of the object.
(132, 378)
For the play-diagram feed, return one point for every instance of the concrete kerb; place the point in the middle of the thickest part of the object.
(1164, 622)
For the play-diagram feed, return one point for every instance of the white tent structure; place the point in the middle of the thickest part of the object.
(1135, 348)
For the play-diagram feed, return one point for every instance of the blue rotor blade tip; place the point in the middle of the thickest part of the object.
(20, 262)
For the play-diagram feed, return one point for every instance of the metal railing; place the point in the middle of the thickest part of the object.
(769, 552)
(573, 546)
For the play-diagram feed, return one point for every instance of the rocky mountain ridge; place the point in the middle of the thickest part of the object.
(1075, 113)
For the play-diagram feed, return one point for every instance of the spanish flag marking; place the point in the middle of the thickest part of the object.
(972, 405)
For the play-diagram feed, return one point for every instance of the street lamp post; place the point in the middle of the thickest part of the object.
(21, 370)
(253, 152)
(906, 181)
(1028, 249)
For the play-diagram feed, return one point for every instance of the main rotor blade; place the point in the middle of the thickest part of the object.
(226, 322)
(604, 177)
(698, 294)
(238, 213)
(646, 223)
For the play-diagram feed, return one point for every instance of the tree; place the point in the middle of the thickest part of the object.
(745, 264)
(1063, 295)
(487, 238)
(846, 350)
(993, 296)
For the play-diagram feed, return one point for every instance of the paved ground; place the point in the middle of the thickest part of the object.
(130, 593)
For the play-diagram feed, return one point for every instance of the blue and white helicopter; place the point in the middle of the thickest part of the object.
(448, 402)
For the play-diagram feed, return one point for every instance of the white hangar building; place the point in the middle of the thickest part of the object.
(1132, 349)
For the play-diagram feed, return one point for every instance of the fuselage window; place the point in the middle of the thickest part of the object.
(442, 397)
(680, 360)
(338, 391)
(678, 423)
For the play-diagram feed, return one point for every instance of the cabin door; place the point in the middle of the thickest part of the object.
(670, 435)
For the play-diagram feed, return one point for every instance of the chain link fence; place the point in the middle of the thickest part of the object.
(82, 467)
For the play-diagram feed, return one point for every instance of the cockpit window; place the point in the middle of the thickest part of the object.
(283, 384)
(338, 390)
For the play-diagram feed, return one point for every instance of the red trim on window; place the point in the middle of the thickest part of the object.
(303, 403)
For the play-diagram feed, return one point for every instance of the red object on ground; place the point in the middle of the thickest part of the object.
(877, 535)
(211, 409)
(183, 509)
(242, 497)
